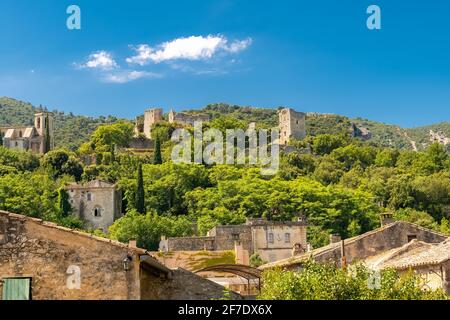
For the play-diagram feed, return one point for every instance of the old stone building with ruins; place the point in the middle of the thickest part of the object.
(292, 125)
(37, 139)
(41, 261)
(144, 123)
(187, 119)
(97, 203)
(272, 240)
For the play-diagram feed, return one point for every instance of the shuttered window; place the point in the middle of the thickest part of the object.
(16, 289)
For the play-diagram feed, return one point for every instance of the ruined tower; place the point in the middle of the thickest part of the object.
(151, 117)
(292, 124)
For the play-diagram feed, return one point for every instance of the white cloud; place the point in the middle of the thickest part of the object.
(190, 48)
(128, 76)
(100, 60)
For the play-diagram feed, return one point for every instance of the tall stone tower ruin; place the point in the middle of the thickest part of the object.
(292, 125)
(151, 117)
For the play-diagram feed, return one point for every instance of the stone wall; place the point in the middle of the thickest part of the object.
(227, 236)
(44, 252)
(188, 244)
(193, 287)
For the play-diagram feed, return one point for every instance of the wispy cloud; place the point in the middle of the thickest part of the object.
(190, 48)
(200, 55)
(128, 76)
(101, 60)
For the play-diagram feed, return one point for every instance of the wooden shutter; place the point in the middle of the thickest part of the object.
(16, 289)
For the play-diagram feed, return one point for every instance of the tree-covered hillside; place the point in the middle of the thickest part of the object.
(70, 130)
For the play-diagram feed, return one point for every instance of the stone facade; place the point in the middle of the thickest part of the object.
(63, 264)
(32, 138)
(187, 119)
(97, 203)
(292, 124)
(271, 240)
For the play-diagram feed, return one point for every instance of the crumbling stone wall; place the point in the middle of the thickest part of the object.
(188, 244)
(44, 252)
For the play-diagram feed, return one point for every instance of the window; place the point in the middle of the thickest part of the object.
(16, 144)
(20, 134)
(16, 289)
(411, 237)
(287, 238)
(39, 123)
(89, 196)
(97, 212)
(235, 236)
(271, 239)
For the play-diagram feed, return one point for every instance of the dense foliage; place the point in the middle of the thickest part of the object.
(326, 282)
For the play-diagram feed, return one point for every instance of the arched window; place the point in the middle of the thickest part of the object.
(20, 134)
(97, 212)
(39, 123)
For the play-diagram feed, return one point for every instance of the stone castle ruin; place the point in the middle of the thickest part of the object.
(292, 124)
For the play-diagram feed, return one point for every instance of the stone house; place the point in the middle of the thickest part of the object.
(97, 203)
(272, 240)
(42, 261)
(30, 138)
(389, 236)
(431, 261)
(292, 124)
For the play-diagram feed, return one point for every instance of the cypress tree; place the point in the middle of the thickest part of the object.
(47, 135)
(140, 195)
(63, 202)
(157, 158)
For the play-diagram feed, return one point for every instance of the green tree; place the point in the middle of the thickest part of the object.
(63, 202)
(325, 143)
(48, 140)
(59, 162)
(140, 193)
(157, 159)
(147, 229)
(327, 282)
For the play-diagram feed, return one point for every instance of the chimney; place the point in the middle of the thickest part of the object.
(335, 238)
(387, 218)
(132, 244)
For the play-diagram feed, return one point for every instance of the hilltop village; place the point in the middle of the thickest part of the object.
(117, 210)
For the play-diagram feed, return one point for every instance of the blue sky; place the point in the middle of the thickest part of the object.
(314, 56)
